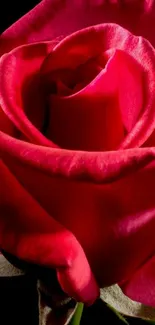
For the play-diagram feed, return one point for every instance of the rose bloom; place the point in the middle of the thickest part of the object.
(77, 137)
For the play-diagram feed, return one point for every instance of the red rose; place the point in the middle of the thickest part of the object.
(77, 138)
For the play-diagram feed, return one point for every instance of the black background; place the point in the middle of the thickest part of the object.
(11, 10)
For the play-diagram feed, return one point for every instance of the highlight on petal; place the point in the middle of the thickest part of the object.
(29, 233)
(103, 167)
(54, 18)
(109, 189)
(21, 97)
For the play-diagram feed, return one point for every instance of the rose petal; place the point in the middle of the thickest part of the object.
(69, 81)
(29, 233)
(130, 88)
(6, 125)
(101, 188)
(107, 166)
(20, 93)
(89, 120)
(140, 286)
(54, 18)
(134, 89)
(94, 119)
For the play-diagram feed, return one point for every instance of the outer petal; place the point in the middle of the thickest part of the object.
(106, 200)
(141, 285)
(28, 232)
(53, 18)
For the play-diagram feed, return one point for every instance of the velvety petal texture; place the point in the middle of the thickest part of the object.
(32, 235)
(77, 144)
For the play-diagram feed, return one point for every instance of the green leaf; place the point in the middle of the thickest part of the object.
(77, 315)
(116, 299)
